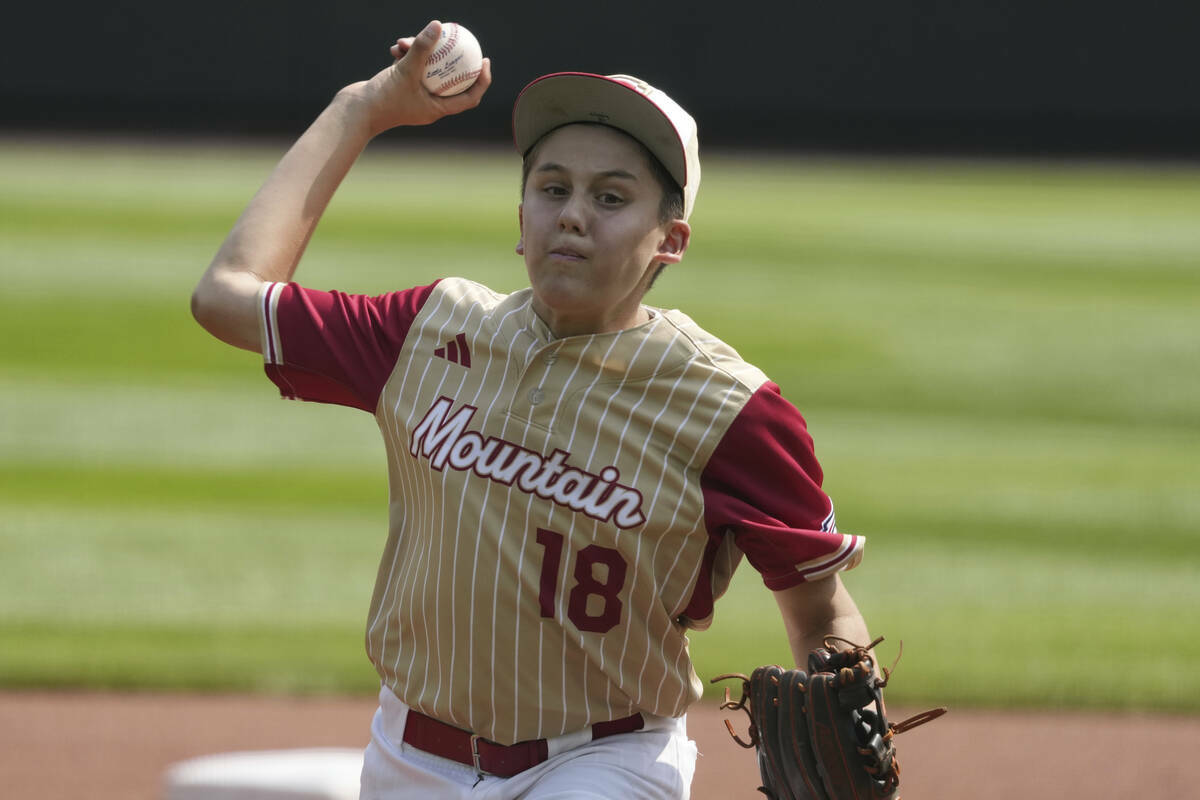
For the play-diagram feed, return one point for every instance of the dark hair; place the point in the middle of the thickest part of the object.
(671, 205)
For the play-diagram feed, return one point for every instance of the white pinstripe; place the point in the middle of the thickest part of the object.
(439, 617)
(698, 561)
(462, 500)
(391, 584)
(524, 549)
(590, 466)
(695, 572)
(637, 474)
(496, 576)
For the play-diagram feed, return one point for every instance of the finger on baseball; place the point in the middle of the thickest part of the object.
(482, 82)
(471, 97)
(401, 47)
(424, 42)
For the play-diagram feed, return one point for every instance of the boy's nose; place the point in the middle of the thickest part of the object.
(573, 216)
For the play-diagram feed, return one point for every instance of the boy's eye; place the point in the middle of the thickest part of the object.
(610, 199)
(555, 191)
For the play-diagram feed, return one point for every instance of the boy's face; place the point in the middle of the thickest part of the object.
(590, 230)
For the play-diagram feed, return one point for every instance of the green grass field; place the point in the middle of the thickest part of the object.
(1000, 364)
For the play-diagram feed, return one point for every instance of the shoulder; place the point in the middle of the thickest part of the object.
(460, 297)
(755, 408)
(704, 382)
(466, 290)
(710, 352)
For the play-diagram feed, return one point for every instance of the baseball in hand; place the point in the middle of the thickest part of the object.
(455, 62)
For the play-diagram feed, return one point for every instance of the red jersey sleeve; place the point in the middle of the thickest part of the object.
(332, 347)
(763, 483)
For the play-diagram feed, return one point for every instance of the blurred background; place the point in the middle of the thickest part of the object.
(964, 237)
(1019, 77)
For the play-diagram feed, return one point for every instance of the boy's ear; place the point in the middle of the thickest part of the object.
(675, 243)
(521, 227)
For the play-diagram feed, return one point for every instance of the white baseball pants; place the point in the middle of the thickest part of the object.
(656, 763)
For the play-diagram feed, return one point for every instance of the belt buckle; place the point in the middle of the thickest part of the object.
(475, 737)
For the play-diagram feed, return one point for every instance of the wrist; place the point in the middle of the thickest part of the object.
(359, 111)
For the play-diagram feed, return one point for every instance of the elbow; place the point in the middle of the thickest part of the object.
(203, 306)
(223, 303)
(197, 307)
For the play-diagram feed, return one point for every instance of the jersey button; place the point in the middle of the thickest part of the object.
(536, 396)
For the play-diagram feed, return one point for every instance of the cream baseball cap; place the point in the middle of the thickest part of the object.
(619, 101)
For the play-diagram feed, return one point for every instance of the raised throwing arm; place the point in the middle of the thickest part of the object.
(270, 236)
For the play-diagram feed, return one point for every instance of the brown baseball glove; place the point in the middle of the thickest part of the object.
(823, 734)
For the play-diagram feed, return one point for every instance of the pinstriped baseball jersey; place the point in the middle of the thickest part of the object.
(562, 511)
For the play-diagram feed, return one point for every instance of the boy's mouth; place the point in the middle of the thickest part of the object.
(568, 254)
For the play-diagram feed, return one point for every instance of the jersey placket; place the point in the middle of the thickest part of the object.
(541, 387)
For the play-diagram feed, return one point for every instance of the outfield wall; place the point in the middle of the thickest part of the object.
(1020, 76)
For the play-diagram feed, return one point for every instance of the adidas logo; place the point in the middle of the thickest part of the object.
(456, 350)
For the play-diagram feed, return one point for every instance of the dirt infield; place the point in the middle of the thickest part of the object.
(109, 746)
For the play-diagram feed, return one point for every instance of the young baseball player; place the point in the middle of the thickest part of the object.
(573, 474)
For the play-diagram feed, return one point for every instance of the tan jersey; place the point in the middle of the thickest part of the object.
(561, 510)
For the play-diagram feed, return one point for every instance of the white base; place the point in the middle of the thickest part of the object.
(312, 774)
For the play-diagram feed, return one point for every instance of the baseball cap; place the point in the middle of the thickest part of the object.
(619, 101)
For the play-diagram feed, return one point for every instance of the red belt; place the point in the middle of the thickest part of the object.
(428, 734)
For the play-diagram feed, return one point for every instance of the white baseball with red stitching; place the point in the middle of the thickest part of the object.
(455, 62)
